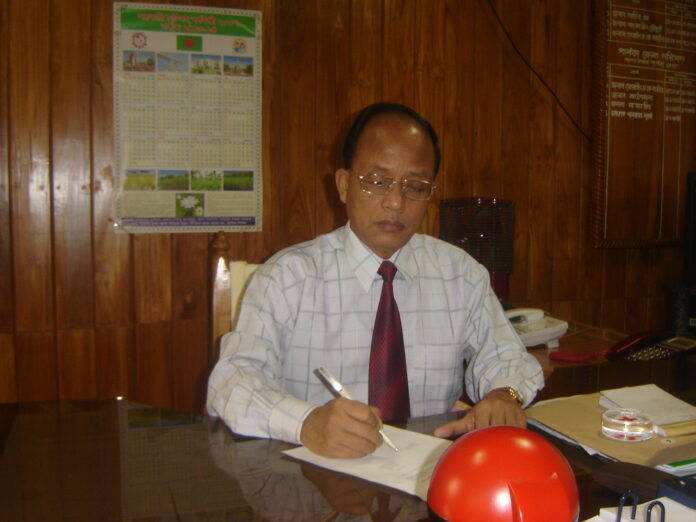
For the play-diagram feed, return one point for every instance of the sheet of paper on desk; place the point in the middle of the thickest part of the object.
(661, 406)
(408, 469)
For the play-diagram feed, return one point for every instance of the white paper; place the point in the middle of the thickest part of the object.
(408, 469)
(662, 407)
(674, 512)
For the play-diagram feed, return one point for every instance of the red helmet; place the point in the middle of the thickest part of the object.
(503, 474)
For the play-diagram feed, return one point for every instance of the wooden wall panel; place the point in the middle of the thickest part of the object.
(115, 362)
(85, 311)
(260, 244)
(35, 357)
(590, 260)
(366, 55)
(189, 276)
(189, 364)
(188, 352)
(154, 363)
(6, 283)
(297, 187)
(113, 281)
(514, 161)
(29, 160)
(76, 364)
(398, 46)
(8, 382)
(333, 22)
(429, 83)
(543, 121)
(566, 230)
(456, 176)
(70, 162)
(570, 144)
(152, 277)
(488, 117)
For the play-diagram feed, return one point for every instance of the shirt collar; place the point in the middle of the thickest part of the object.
(365, 262)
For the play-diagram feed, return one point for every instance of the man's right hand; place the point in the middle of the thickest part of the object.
(342, 429)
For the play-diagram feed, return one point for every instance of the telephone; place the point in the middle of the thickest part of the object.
(647, 346)
(534, 327)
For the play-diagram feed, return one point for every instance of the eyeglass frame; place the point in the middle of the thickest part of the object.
(391, 182)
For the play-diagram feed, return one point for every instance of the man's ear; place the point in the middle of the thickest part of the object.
(342, 178)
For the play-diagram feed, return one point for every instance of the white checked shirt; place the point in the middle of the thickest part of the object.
(314, 304)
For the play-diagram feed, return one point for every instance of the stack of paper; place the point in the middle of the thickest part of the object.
(680, 467)
(580, 417)
(672, 417)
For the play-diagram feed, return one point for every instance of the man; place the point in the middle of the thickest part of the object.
(314, 305)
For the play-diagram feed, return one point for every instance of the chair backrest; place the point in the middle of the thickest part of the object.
(240, 273)
(230, 279)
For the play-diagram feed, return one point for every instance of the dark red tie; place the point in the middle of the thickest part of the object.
(388, 388)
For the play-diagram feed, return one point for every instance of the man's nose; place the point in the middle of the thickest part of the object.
(394, 199)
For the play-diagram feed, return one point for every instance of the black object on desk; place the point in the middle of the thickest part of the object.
(680, 489)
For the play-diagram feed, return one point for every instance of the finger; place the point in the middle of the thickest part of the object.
(520, 419)
(457, 427)
(343, 442)
(509, 414)
(329, 431)
(377, 416)
(358, 410)
(360, 421)
(482, 414)
(352, 447)
(501, 415)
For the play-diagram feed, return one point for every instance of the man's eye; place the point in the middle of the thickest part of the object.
(377, 181)
(415, 187)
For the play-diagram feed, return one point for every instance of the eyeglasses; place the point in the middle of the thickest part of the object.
(378, 185)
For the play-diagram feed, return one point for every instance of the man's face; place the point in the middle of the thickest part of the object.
(397, 147)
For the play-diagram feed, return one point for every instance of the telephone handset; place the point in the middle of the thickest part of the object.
(647, 346)
(524, 315)
(535, 328)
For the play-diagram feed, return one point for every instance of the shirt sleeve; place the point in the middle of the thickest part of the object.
(245, 388)
(499, 359)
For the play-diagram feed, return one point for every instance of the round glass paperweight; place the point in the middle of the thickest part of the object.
(627, 425)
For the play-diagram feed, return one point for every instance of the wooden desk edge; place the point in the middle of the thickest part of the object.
(579, 338)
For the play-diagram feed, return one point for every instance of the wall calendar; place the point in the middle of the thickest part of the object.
(187, 118)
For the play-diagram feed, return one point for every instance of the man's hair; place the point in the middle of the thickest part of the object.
(370, 112)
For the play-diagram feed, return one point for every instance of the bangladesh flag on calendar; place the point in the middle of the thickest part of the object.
(185, 42)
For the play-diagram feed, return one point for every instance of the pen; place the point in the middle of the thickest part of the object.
(338, 390)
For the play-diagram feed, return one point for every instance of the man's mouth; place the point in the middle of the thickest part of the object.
(390, 226)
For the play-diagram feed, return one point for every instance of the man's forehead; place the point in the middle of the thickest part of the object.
(385, 129)
(388, 118)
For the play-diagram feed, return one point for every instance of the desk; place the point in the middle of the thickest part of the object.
(572, 378)
(118, 460)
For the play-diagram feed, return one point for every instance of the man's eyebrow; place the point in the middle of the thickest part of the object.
(382, 170)
(420, 174)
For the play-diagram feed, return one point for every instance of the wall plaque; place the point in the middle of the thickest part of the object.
(644, 120)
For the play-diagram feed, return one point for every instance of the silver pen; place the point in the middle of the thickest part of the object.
(338, 390)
